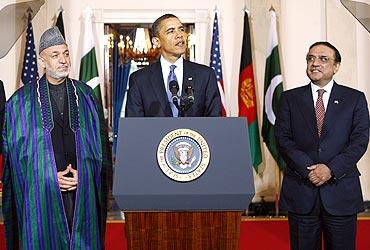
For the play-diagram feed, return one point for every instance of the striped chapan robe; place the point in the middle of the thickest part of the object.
(34, 216)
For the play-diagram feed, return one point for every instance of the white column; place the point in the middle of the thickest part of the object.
(302, 23)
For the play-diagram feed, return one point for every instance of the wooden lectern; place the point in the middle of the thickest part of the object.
(204, 213)
(182, 230)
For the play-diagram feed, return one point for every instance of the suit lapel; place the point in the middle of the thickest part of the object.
(308, 111)
(334, 106)
(157, 82)
(189, 77)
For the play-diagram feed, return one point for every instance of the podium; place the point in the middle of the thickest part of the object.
(162, 212)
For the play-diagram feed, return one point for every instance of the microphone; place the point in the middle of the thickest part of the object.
(190, 92)
(174, 88)
(188, 100)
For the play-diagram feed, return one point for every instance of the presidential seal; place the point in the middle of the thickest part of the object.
(183, 155)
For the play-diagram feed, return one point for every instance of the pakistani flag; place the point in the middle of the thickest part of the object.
(88, 68)
(272, 89)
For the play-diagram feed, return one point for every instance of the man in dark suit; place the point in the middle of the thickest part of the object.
(150, 91)
(322, 131)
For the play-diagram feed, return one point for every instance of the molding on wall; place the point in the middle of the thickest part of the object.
(200, 17)
(149, 15)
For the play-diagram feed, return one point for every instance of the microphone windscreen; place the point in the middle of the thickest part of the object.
(174, 84)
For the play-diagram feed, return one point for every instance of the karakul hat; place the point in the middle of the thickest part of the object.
(51, 37)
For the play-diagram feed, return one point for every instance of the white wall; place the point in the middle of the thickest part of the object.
(300, 23)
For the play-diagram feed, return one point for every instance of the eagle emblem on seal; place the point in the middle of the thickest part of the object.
(184, 154)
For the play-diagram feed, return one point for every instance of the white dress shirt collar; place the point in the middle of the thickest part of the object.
(178, 71)
(328, 87)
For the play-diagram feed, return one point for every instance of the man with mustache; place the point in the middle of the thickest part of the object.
(149, 88)
(322, 131)
(56, 159)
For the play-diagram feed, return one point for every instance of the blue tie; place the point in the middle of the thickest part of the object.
(172, 77)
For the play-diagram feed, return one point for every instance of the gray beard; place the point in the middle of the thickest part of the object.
(56, 75)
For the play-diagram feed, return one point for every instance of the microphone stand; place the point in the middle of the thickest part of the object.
(182, 103)
(174, 87)
(187, 101)
(175, 101)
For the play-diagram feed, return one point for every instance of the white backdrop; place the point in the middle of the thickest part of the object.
(300, 23)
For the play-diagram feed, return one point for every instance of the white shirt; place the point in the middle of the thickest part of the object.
(326, 95)
(179, 72)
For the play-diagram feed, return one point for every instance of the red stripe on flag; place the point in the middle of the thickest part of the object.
(222, 93)
(247, 95)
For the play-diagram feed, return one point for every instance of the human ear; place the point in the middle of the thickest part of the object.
(42, 62)
(156, 42)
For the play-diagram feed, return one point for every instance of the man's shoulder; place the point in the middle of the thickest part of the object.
(78, 82)
(347, 90)
(198, 66)
(21, 92)
(156, 66)
(81, 85)
(147, 71)
(296, 91)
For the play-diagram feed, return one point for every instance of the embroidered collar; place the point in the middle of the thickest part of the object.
(43, 95)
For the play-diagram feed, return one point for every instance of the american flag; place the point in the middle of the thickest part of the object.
(215, 63)
(29, 71)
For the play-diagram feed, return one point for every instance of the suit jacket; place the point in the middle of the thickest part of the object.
(64, 146)
(344, 140)
(147, 94)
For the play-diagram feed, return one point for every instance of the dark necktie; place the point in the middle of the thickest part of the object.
(320, 111)
(172, 77)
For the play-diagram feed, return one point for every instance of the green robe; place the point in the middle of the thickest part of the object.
(32, 201)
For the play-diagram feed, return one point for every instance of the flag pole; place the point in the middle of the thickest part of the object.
(28, 13)
(59, 21)
(246, 9)
(61, 9)
(277, 189)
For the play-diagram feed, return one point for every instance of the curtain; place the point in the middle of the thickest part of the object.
(121, 73)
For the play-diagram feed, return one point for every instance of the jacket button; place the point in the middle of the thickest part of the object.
(320, 150)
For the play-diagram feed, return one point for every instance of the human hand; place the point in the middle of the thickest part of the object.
(68, 183)
(319, 174)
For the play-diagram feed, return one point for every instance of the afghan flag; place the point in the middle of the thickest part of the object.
(272, 90)
(88, 67)
(60, 24)
(247, 96)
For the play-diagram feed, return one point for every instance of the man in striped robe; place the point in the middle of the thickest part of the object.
(56, 163)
